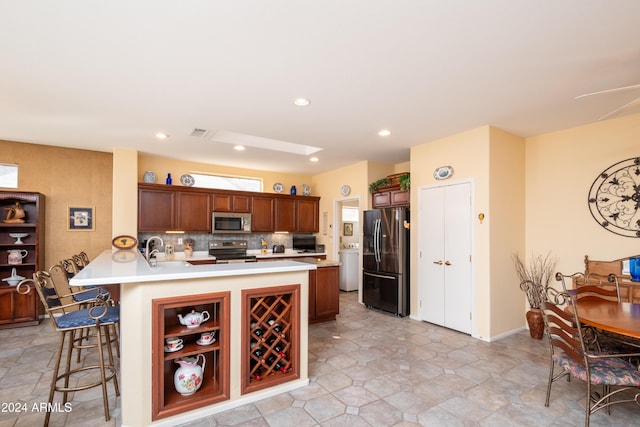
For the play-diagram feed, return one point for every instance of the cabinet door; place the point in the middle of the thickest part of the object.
(312, 295)
(155, 210)
(6, 305)
(308, 217)
(327, 293)
(25, 307)
(222, 203)
(286, 215)
(262, 217)
(381, 200)
(193, 211)
(241, 203)
(399, 198)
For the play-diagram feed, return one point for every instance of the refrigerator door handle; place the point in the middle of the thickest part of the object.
(379, 275)
(376, 240)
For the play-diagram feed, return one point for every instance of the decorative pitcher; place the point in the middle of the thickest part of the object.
(16, 255)
(193, 319)
(188, 377)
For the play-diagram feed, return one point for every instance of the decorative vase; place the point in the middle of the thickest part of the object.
(188, 377)
(293, 190)
(536, 323)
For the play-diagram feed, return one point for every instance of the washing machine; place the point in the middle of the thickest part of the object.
(349, 269)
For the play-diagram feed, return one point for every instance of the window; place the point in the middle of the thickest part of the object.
(225, 182)
(350, 214)
(8, 175)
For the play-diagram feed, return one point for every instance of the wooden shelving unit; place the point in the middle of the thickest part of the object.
(16, 309)
(271, 321)
(215, 387)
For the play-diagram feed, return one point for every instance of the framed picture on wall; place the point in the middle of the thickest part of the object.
(347, 229)
(81, 219)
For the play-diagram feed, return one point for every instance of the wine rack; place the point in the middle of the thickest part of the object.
(271, 337)
(215, 387)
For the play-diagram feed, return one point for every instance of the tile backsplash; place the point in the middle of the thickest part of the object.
(201, 240)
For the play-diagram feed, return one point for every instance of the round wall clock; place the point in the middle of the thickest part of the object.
(124, 242)
(614, 198)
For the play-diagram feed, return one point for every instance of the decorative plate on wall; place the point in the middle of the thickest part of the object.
(614, 198)
(345, 190)
(443, 172)
(306, 190)
(187, 180)
(278, 187)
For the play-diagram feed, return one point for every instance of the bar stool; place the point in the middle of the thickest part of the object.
(69, 320)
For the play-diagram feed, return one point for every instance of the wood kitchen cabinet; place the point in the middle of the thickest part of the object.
(286, 214)
(324, 294)
(166, 401)
(308, 215)
(231, 203)
(162, 208)
(17, 309)
(262, 213)
(390, 196)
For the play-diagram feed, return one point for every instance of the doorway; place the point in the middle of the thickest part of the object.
(347, 237)
(444, 255)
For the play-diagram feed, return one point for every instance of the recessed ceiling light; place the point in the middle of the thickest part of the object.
(314, 159)
(384, 132)
(301, 102)
(162, 135)
(239, 148)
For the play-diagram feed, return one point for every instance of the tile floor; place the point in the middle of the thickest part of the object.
(366, 369)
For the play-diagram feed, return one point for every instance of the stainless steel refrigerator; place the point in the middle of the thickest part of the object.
(385, 260)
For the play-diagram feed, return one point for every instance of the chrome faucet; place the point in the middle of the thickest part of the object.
(148, 254)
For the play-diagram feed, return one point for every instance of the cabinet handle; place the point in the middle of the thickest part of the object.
(439, 262)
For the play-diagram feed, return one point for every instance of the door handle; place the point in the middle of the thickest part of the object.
(439, 262)
(447, 263)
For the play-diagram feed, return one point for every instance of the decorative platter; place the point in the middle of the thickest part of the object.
(443, 172)
(306, 190)
(187, 180)
(278, 187)
(124, 242)
(345, 190)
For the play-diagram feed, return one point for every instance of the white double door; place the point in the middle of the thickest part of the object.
(444, 267)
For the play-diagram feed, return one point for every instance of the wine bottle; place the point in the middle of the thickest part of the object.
(257, 330)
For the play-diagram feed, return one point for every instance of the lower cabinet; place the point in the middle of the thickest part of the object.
(204, 315)
(270, 345)
(324, 294)
(17, 309)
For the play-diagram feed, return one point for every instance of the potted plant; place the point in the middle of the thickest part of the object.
(534, 280)
(383, 182)
(405, 182)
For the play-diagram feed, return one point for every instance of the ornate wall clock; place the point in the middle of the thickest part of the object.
(614, 198)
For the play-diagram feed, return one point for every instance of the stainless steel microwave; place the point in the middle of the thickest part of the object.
(227, 222)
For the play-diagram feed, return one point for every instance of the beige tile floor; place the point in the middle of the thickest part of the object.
(366, 369)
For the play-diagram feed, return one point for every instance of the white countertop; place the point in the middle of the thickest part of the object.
(131, 267)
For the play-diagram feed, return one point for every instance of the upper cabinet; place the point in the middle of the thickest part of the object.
(390, 196)
(231, 203)
(164, 208)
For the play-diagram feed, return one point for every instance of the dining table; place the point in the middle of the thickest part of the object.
(618, 317)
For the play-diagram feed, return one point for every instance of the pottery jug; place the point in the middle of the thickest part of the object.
(188, 377)
(16, 255)
(193, 319)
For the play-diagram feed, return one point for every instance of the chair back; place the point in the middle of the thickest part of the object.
(562, 326)
(591, 287)
(60, 279)
(48, 293)
(70, 267)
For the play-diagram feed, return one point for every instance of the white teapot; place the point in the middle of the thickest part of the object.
(193, 319)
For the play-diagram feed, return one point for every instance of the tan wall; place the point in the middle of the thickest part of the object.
(560, 168)
(67, 177)
(163, 165)
(468, 154)
(505, 218)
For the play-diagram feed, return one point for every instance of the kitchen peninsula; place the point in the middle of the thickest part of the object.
(248, 304)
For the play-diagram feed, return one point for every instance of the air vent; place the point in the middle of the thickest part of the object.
(199, 132)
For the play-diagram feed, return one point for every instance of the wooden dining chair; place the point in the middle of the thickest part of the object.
(570, 352)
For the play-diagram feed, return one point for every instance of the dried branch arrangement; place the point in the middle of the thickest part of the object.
(535, 276)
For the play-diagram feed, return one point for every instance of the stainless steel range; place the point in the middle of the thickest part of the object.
(228, 251)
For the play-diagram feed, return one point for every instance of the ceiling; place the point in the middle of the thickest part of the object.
(98, 75)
